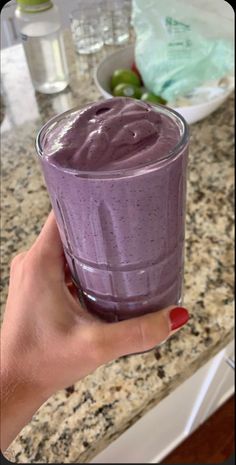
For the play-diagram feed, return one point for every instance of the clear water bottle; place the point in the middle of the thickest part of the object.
(41, 34)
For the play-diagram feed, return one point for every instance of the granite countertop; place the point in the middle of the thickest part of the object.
(76, 423)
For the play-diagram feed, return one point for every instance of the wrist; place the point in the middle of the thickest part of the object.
(21, 367)
(16, 387)
(21, 394)
(20, 400)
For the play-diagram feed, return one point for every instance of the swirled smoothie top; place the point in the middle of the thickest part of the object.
(114, 134)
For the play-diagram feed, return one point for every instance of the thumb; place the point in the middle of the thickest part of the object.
(139, 334)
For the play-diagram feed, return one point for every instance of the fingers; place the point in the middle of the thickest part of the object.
(139, 334)
(47, 251)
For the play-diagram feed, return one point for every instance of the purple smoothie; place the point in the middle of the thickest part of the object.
(116, 175)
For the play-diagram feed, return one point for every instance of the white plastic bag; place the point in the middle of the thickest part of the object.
(182, 44)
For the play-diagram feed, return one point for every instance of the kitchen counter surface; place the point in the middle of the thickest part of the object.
(76, 423)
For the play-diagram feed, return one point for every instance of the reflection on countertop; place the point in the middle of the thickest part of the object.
(76, 423)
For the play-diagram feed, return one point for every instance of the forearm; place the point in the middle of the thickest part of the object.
(19, 402)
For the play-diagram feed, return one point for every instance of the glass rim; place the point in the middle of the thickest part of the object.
(125, 172)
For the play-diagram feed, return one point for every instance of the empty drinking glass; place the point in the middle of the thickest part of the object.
(115, 21)
(86, 26)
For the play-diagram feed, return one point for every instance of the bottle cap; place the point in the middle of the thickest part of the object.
(34, 6)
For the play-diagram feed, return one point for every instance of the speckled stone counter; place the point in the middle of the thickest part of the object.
(75, 424)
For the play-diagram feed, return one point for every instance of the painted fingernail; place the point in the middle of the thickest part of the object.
(178, 317)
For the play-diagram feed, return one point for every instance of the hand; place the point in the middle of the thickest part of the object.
(49, 341)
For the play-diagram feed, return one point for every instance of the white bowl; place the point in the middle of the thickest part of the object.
(124, 58)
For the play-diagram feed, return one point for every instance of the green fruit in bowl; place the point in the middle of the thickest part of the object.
(152, 98)
(127, 90)
(124, 76)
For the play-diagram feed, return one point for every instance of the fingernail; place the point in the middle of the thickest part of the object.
(178, 317)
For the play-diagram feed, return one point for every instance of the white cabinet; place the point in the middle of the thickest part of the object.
(221, 385)
(159, 431)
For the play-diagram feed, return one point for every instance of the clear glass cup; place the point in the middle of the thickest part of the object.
(86, 27)
(122, 231)
(115, 21)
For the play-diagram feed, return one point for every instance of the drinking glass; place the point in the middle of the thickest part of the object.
(122, 231)
(115, 21)
(86, 27)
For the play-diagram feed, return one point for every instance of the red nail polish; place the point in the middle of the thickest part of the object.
(178, 317)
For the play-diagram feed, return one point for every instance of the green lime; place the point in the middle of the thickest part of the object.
(149, 97)
(121, 76)
(127, 90)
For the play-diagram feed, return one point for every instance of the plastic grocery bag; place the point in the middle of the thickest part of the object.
(182, 44)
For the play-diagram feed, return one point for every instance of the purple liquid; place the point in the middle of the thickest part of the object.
(119, 201)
